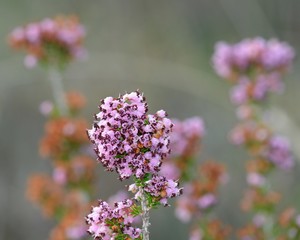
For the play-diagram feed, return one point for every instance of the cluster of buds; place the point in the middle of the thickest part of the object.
(67, 194)
(185, 143)
(50, 41)
(133, 143)
(255, 67)
(158, 188)
(106, 222)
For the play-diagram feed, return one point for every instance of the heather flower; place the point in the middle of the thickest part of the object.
(234, 60)
(50, 41)
(279, 152)
(256, 67)
(247, 90)
(106, 222)
(162, 188)
(128, 140)
(159, 188)
(185, 139)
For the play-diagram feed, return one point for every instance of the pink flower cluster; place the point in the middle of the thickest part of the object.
(246, 90)
(252, 54)
(263, 143)
(158, 187)
(128, 140)
(182, 134)
(279, 152)
(58, 39)
(255, 66)
(108, 223)
(190, 204)
(185, 140)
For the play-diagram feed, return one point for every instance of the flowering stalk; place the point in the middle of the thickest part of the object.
(66, 195)
(132, 143)
(200, 187)
(255, 67)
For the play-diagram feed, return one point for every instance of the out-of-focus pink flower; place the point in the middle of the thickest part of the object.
(59, 176)
(232, 61)
(255, 179)
(50, 41)
(279, 152)
(46, 108)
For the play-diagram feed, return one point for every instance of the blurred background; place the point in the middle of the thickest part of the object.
(164, 49)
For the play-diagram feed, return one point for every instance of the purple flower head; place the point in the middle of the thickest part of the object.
(108, 223)
(277, 55)
(50, 41)
(279, 152)
(232, 61)
(222, 59)
(159, 187)
(256, 90)
(128, 140)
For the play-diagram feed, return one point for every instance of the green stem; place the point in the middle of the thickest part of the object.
(55, 78)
